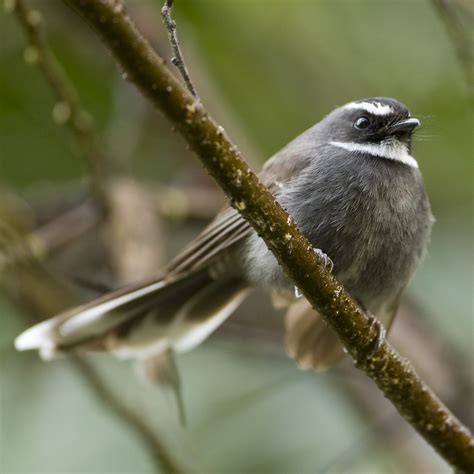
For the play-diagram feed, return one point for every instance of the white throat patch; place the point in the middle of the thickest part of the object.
(389, 149)
(374, 108)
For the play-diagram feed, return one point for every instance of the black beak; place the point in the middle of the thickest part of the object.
(406, 125)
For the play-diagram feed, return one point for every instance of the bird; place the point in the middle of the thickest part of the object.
(355, 192)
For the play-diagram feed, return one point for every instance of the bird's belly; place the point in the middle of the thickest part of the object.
(365, 268)
(260, 267)
(373, 257)
(371, 276)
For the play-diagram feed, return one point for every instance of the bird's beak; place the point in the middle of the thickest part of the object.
(406, 125)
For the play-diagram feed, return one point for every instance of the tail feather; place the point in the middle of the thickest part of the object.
(106, 315)
(38, 337)
(308, 339)
(314, 344)
(140, 320)
(204, 312)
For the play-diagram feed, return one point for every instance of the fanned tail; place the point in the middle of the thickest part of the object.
(308, 339)
(140, 320)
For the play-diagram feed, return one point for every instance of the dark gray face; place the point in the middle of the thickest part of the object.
(373, 120)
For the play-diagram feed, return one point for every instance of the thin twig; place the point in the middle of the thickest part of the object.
(161, 456)
(68, 110)
(394, 375)
(32, 288)
(64, 229)
(177, 59)
(168, 202)
(51, 237)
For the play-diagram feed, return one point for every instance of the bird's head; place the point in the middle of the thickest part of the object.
(378, 126)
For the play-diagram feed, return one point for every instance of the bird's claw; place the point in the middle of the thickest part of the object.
(379, 338)
(326, 261)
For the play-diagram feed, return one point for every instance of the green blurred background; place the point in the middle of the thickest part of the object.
(267, 70)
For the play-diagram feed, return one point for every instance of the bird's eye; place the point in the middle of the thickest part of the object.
(362, 122)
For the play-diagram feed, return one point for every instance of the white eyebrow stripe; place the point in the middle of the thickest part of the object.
(393, 150)
(375, 108)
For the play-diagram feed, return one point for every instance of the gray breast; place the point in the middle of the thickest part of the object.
(369, 214)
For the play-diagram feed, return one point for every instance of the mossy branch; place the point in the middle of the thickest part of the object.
(394, 375)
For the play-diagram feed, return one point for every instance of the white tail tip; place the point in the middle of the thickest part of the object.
(39, 336)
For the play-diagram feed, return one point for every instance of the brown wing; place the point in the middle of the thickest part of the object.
(309, 340)
(227, 228)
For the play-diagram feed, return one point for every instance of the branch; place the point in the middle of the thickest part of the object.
(170, 202)
(395, 376)
(64, 229)
(177, 60)
(31, 287)
(158, 451)
(50, 237)
(68, 110)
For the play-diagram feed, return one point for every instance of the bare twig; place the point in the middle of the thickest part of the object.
(64, 229)
(68, 110)
(31, 287)
(177, 59)
(129, 417)
(167, 202)
(394, 375)
(50, 237)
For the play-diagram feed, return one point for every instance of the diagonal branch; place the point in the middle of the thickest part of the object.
(395, 376)
(31, 287)
(160, 454)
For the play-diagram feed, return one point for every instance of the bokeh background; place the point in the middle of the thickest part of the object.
(267, 70)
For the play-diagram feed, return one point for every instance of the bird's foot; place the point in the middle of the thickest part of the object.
(379, 338)
(325, 260)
